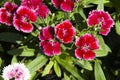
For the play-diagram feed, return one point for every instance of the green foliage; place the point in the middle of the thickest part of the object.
(69, 67)
(23, 51)
(104, 49)
(37, 63)
(57, 69)
(99, 74)
(84, 64)
(47, 68)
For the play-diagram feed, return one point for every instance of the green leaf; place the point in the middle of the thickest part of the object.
(0, 62)
(84, 64)
(66, 57)
(103, 49)
(37, 63)
(33, 74)
(11, 37)
(57, 69)
(22, 52)
(98, 72)
(117, 27)
(66, 77)
(69, 67)
(1, 78)
(47, 68)
(14, 60)
(100, 5)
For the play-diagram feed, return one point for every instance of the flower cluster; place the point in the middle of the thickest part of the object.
(64, 31)
(100, 17)
(50, 37)
(17, 71)
(38, 6)
(23, 16)
(6, 13)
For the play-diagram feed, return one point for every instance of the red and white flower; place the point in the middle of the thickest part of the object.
(47, 33)
(86, 45)
(65, 31)
(50, 48)
(100, 17)
(65, 5)
(18, 71)
(6, 13)
(37, 5)
(22, 18)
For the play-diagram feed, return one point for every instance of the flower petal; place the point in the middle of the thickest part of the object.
(67, 5)
(43, 10)
(5, 17)
(26, 27)
(57, 3)
(79, 53)
(89, 55)
(47, 33)
(26, 12)
(48, 49)
(10, 7)
(56, 48)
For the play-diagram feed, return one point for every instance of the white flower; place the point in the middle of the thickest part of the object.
(18, 71)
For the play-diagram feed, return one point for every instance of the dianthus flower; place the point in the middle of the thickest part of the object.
(6, 13)
(65, 5)
(22, 18)
(38, 6)
(85, 46)
(47, 33)
(65, 31)
(17, 71)
(50, 48)
(100, 17)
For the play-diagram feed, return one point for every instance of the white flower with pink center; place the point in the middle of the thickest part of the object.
(16, 71)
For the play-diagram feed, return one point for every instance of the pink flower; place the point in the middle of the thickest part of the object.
(85, 46)
(6, 13)
(22, 17)
(47, 33)
(99, 17)
(18, 71)
(65, 31)
(50, 48)
(37, 5)
(65, 5)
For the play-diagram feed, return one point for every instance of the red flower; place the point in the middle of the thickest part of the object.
(85, 46)
(37, 5)
(47, 33)
(6, 13)
(50, 48)
(103, 18)
(65, 5)
(22, 17)
(65, 31)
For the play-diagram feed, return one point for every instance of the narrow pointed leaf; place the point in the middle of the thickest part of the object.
(37, 63)
(47, 68)
(98, 72)
(57, 69)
